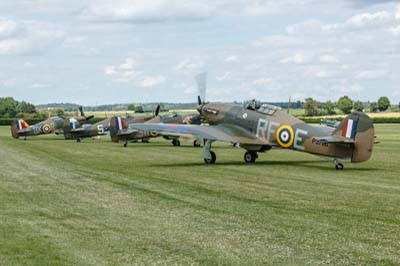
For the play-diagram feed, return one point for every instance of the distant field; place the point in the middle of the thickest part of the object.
(96, 203)
(296, 112)
(132, 113)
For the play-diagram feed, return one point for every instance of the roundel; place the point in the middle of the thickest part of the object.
(46, 128)
(285, 136)
(153, 134)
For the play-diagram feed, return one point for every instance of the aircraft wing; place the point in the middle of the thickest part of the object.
(76, 130)
(127, 131)
(335, 140)
(228, 133)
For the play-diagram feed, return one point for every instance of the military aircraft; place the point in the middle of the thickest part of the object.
(20, 128)
(258, 128)
(121, 129)
(73, 130)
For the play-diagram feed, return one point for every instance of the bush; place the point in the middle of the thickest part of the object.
(345, 104)
(383, 103)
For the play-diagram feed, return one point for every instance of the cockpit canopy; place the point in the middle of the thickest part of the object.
(260, 107)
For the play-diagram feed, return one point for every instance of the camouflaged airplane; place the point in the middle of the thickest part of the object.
(258, 128)
(122, 130)
(73, 130)
(20, 128)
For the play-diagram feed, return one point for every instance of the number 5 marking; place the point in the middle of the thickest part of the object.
(100, 129)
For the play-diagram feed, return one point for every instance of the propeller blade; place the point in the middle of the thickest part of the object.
(199, 100)
(89, 117)
(81, 110)
(158, 110)
(201, 80)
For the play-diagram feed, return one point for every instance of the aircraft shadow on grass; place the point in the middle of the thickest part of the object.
(303, 163)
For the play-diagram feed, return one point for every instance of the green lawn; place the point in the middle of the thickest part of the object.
(96, 203)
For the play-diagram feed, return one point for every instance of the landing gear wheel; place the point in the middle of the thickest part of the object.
(145, 140)
(125, 144)
(339, 166)
(78, 140)
(176, 142)
(250, 157)
(196, 144)
(212, 160)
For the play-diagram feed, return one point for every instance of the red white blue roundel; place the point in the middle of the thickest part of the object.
(285, 136)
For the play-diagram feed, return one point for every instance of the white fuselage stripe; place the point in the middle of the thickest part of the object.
(349, 128)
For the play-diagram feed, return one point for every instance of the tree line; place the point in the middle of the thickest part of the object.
(345, 105)
(10, 108)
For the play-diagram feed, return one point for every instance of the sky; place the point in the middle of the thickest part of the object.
(94, 52)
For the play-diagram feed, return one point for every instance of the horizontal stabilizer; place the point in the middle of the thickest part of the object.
(335, 139)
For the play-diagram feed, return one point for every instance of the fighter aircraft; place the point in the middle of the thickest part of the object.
(121, 129)
(74, 130)
(258, 128)
(20, 128)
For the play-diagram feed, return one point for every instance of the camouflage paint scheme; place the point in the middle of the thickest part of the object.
(73, 130)
(128, 132)
(51, 125)
(259, 128)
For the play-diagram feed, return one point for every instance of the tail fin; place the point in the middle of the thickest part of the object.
(359, 127)
(17, 125)
(117, 123)
(70, 123)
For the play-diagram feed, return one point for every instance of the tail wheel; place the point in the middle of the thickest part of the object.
(212, 160)
(339, 166)
(176, 142)
(250, 157)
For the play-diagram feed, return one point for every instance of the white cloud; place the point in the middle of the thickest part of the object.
(138, 11)
(370, 19)
(189, 65)
(8, 28)
(370, 74)
(22, 37)
(231, 58)
(127, 71)
(262, 82)
(297, 58)
(151, 81)
(39, 86)
(328, 58)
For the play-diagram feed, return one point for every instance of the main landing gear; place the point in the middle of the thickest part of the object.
(250, 157)
(126, 144)
(338, 166)
(196, 143)
(176, 142)
(78, 140)
(207, 154)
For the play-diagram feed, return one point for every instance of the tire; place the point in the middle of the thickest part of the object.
(195, 144)
(125, 145)
(176, 142)
(212, 160)
(78, 140)
(250, 157)
(339, 166)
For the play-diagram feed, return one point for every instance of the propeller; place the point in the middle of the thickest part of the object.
(83, 114)
(201, 80)
(158, 110)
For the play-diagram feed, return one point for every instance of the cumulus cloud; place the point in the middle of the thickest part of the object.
(370, 74)
(328, 58)
(22, 37)
(127, 71)
(151, 81)
(231, 58)
(298, 58)
(138, 11)
(9, 28)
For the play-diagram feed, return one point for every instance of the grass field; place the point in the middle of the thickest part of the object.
(96, 203)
